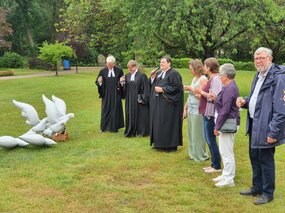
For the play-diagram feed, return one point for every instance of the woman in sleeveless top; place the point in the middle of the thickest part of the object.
(197, 142)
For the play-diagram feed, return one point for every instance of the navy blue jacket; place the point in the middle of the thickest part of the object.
(269, 115)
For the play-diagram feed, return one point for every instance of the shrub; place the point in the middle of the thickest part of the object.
(6, 73)
(225, 60)
(36, 63)
(11, 60)
(240, 65)
(180, 63)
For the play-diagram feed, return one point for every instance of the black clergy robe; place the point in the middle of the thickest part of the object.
(136, 93)
(112, 117)
(166, 111)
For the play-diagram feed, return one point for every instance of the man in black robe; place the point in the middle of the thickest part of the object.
(166, 107)
(135, 87)
(107, 81)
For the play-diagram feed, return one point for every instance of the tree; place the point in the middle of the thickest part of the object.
(33, 22)
(94, 24)
(199, 27)
(53, 53)
(5, 29)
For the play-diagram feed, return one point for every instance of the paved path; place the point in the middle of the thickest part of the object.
(52, 73)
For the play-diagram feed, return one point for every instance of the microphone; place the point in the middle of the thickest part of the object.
(154, 71)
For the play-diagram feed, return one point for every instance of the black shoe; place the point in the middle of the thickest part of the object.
(263, 200)
(250, 192)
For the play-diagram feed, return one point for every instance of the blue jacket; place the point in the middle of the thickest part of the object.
(269, 115)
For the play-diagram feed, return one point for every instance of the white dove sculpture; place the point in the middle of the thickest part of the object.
(37, 139)
(10, 142)
(55, 122)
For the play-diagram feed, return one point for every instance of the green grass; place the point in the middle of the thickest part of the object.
(95, 172)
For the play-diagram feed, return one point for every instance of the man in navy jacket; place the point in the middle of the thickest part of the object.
(265, 123)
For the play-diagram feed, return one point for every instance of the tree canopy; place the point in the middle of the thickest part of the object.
(132, 28)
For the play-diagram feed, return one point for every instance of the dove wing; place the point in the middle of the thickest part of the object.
(29, 112)
(60, 105)
(51, 110)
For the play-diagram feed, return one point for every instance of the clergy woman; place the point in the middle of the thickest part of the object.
(166, 107)
(107, 81)
(135, 89)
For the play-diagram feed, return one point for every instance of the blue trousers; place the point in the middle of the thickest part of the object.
(209, 125)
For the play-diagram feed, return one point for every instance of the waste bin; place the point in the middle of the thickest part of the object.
(66, 64)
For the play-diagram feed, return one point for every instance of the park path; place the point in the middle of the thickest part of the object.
(52, 73)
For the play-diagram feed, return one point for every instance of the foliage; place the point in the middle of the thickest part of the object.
(225, 60)
(33, 23)
(148, 57)
(242, 65)
(5, 29)
(90, 23)
(181, 62)
(54, 53)
(6, 73)
(11, 60)
(36, 63)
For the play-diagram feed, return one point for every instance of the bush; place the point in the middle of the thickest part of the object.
(36, 63)
(11, 60)
(225, 60)
(6, 73)
(180, 63)
(240, 65)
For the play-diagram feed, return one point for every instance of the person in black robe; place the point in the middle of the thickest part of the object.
(135, 87)
(112, 117)
(166, 111)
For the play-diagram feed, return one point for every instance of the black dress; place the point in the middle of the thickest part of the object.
(136, 93)
(166, 111)
(112, 117)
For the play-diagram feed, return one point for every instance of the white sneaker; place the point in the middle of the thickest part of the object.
(218, 179)
(224, 183)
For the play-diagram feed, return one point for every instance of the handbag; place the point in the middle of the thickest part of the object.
(230, 126)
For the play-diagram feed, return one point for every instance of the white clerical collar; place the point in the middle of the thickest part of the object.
(133, 75)
(111, 73)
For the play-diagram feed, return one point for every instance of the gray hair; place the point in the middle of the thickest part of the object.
(263, 49)
(132, 63)
(110, 59)
(228, 70)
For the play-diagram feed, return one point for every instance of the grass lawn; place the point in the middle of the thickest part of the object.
(106, 172)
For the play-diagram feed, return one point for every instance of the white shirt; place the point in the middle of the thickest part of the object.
(253, 98)
(133, 76)
(111, 73)
(162, 75)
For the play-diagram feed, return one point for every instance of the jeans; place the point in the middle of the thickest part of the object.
(209, 125)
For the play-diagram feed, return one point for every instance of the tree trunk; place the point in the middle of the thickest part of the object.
(24, 7)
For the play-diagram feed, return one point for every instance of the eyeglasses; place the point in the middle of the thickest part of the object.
(260, 58)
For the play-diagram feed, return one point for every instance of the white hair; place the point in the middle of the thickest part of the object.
(110, 59)
(263, 49)
(228, 70)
